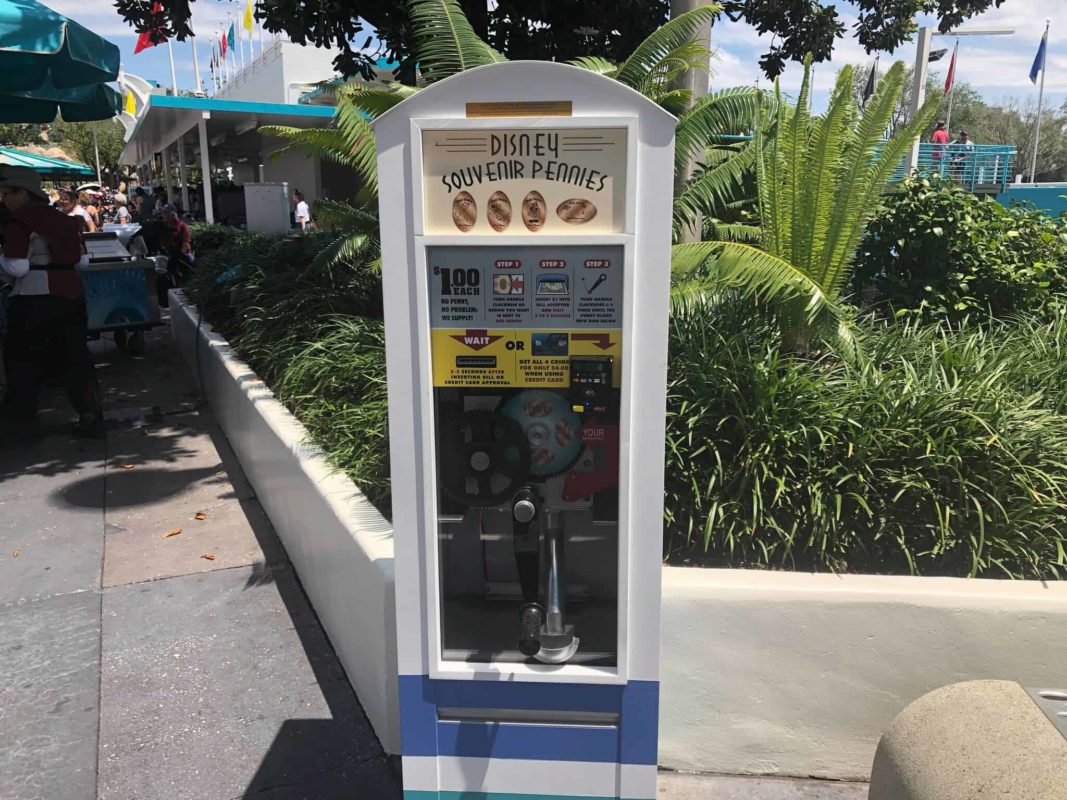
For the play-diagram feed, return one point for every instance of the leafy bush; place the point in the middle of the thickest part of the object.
(941, 253)
(945, 455)
(942, 455)
(313, 332)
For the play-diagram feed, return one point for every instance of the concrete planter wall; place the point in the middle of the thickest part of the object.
(764, 673)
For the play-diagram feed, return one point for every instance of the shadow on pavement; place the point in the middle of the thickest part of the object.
(322, 759)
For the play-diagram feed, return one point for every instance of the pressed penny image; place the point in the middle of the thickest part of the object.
(498, 211)
(464, 211)
(576, 211)
(533, 211)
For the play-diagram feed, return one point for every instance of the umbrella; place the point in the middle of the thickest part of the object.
(80, 104)
(36, 44)
(43, 165)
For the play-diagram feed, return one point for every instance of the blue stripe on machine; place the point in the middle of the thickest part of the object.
(539, 742)
(424, 795)
(633, 742)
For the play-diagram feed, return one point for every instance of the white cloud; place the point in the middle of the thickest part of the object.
(997, 66)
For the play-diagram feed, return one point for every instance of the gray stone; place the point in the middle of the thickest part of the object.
(49, 660)
(223, 683)
(971, 740)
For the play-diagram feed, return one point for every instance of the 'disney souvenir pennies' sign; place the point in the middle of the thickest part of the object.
(556, 180)
(526, 253)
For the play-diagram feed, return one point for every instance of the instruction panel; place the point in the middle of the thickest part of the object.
(513, 315)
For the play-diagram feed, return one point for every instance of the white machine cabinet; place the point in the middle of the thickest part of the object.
(267, 207)
(526, 231)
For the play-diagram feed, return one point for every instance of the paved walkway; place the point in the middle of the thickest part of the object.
(135, 667)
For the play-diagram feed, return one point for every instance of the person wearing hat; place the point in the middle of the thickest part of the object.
(42, 249)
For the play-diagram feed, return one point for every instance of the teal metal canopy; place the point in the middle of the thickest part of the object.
(39, 46)
(43, 165)
(80, 104)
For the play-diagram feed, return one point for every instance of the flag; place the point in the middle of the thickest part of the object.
(951, 70)
(1039, 59)
(222, 39)
(144, 41)
(131, 105)
(868, 90)
(247, 21)
(230, 37)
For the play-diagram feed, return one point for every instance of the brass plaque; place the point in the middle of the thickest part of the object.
(519, 108)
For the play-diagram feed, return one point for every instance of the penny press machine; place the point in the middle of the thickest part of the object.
(526, 231)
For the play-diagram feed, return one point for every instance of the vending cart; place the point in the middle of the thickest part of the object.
(120, 290)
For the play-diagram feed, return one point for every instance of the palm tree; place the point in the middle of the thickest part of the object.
(446, 44)
(820, 180)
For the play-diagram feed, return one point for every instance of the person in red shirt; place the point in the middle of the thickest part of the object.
(939, 140)
(42, 249)
(177, 245)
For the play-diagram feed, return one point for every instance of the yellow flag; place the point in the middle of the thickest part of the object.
(247, 21)
(131, 106)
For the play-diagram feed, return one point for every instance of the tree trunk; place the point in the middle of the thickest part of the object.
(795, 331)
(696, 81)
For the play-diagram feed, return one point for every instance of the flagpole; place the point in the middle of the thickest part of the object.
(196, 65)
(1040, 101)
(96, 152)
(952, 88)
(173, 74)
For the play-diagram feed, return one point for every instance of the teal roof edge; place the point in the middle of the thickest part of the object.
(239, 106)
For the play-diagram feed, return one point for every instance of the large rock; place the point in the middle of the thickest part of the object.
(982, 739)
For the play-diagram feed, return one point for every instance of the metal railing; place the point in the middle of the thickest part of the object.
(975, 167)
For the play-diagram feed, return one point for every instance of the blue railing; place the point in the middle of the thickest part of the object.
(977, 168)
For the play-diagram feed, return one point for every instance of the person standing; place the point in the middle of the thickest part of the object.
(302, 215)
(939, 139)
(69, 205)
(47, 321)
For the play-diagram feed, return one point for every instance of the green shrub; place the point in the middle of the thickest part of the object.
(938, 458)
(941, 253)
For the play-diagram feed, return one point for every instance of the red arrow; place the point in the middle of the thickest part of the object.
(476, 340)
(602, 340)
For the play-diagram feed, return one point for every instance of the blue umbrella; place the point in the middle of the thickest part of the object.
(39, 46)
(80, 104)
(45, 166)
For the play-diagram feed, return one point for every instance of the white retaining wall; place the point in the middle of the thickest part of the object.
(768, 673)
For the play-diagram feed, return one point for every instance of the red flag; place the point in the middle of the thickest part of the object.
(144, 41)
(223, 48)
(951, 70)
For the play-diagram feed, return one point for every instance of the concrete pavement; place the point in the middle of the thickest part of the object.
(135, 666)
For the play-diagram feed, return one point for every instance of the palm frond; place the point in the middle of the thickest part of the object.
(733, 232)
(445, 42)
(596, 64)
(351, 248)
(726, 112)
(374, 101)
(754, 272)
(338, 214)
(821, 172)
(359, 139)
(717, 187)
(647, 56)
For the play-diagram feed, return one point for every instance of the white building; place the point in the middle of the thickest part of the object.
(219, 135)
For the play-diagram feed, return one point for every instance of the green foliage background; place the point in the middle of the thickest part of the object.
(941, 253)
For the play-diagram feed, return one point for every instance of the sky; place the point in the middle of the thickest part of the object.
(997, 66)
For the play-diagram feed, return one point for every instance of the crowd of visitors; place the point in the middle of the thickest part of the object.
(43, 317)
